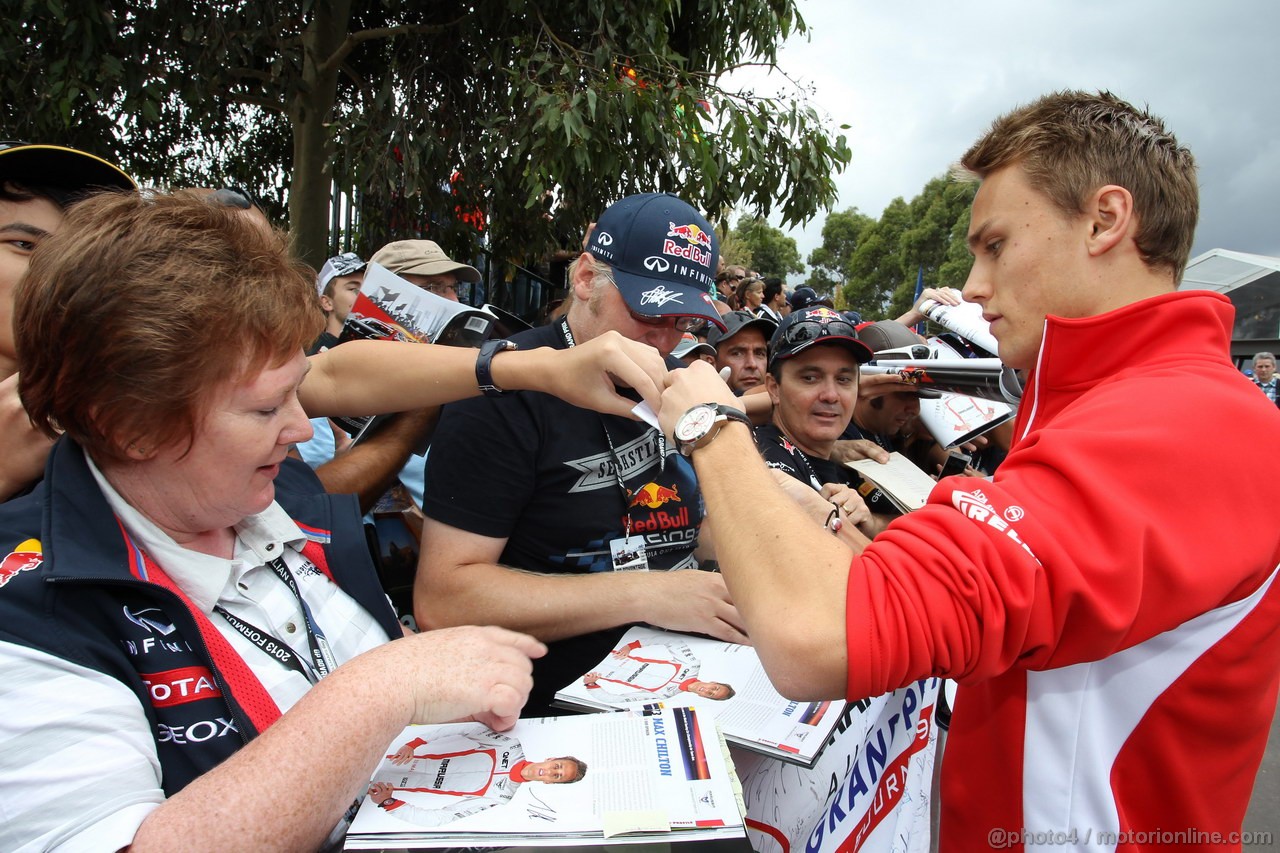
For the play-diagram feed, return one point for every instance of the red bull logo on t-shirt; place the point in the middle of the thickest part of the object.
(653, 496)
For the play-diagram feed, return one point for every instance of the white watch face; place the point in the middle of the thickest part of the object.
(694, 423)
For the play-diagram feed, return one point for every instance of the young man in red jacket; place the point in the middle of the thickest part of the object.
(1108, 603)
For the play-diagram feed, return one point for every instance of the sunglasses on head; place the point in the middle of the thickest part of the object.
(236, 197)
(810, 330)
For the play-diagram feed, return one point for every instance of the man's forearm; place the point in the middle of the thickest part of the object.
(368, 469)
(548, 607)
(787, 575)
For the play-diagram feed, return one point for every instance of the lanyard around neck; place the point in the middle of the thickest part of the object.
(567, 334)
(322, 661)
(800, 457)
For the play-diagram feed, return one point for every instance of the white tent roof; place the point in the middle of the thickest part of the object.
(1252, 283)
(1223, 271)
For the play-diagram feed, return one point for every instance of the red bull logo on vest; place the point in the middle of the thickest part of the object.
(26, 556)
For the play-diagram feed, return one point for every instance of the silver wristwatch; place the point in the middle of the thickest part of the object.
(698, 426)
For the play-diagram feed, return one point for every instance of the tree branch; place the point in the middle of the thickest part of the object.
(353, 40)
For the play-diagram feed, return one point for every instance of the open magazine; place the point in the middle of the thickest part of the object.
(901, 480)
(553, 781)
(389, 308)
(725, 681)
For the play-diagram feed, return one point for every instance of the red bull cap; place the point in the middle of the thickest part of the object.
(663, 254)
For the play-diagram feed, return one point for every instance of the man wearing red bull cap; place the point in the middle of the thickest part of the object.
(538, 511)
(813, 384)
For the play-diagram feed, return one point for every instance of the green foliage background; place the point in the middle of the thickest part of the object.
(540, 112)
(871, 265)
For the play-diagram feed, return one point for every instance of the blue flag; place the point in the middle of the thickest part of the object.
(919, 330)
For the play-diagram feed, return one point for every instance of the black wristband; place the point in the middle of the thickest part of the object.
(484, 366)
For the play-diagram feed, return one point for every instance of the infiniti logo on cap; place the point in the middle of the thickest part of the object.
(605, 239)
(653, 263)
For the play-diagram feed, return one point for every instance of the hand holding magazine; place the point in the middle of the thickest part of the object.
(390, 308)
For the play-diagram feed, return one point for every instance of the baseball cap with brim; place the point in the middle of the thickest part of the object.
(348, 263)
(887, 334)
(690, 345)
(805, 296)
(809, 327)
(736, 321)
(883, 335)
(56, 166)
(663, 254)
(421, 257)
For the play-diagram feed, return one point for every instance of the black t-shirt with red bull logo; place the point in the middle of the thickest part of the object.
(783, 455)
(545, 474)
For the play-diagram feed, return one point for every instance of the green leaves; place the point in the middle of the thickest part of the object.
(436, 110)
(872, 264)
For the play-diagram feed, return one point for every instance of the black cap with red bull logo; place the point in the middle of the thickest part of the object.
(663, 254)
(818, 324)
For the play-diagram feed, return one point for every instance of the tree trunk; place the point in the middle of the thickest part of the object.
(309, 110)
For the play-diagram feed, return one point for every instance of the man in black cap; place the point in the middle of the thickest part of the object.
(813, 385)
(743, 347)
(532, 504)
(804, 296)
(37, 183)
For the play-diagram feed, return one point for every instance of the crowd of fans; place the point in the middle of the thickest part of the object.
(180, 522)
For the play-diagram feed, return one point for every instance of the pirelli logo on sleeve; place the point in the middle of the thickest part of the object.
(976, 507)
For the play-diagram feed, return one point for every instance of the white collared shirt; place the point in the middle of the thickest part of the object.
(248, 589)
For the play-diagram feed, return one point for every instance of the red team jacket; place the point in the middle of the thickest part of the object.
(1108, 604)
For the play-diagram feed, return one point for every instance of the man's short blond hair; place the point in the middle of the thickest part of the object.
(1071, 143)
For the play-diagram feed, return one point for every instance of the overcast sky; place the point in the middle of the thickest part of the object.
(919, 81)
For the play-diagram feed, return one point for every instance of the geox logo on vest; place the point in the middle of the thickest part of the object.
(27, 556)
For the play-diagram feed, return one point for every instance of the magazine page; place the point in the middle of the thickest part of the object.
(964, 319)
(870, 791)
(954, 419)
(389, 308)
(899, 478)
(548, 781)
(723, 680)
